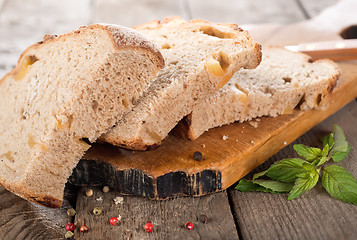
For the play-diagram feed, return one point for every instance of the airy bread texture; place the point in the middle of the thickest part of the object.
(200, 58)
(63, 90)
(282, 82)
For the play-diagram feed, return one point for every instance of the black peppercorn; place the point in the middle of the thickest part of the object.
(203, 218)
(197, 156)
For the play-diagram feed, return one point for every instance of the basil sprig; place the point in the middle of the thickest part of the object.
(298, 175)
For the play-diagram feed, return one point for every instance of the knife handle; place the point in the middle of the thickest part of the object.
(339, 50)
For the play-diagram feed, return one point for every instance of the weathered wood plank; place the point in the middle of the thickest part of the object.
(130, 13)
(315, 215)
(168, 217)
(20, 219)
(41, 17)
(247, 11)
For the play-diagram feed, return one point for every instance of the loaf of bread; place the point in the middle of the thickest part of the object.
(200, 58)
(282, 82)
(64, 91)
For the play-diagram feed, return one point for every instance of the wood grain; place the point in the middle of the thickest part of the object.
(52, 17)
(20, 219)
(171, 170)
(168, 217)
(315, 215)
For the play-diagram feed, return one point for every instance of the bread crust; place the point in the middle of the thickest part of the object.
(227, 38)
(186, 130)
(121, 38)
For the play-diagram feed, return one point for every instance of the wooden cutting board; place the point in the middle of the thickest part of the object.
(171, 170)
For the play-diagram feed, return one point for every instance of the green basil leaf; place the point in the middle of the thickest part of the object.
(308, 167)
(248, 186)
(341, 148)
(328, 140)
(303, 184)
(309, 153)
(286, 170)
(339, 183)
(320, 161)
(259, 174)
(275, 186)
(325, 150)
(337, 157)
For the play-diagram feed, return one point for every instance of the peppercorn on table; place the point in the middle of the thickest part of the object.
(101, 213)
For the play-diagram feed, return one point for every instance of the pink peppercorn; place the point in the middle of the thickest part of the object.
(113, 221)
(149, 227)
(70, 227)
(189, 225)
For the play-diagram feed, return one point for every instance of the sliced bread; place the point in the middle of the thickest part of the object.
(66, 90)
(200, 58)
(283, 81)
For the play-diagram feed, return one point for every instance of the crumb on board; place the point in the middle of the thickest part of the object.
(203, 145)
(225, 137)
(253, 124)
(118, 200)
(285, 143)
(236, 140)
(252, 141)
(99, 199)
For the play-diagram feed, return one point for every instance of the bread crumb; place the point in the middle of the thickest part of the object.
(253, 124)
(118, 200)
(203, 145)
(99, 199)
(236, 140)
(252, 141)
(119, 217)
(241, 131)
(225, 137)
(285, 143)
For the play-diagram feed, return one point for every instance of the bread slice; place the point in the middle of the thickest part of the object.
(63, 91)
(283, 81)
(200, 58)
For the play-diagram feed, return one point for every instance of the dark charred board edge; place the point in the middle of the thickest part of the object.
(135, 182)
(180, 183)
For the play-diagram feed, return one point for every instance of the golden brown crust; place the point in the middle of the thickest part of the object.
(134, 144)
(121, 37)
(223, 31)
(126, 37)
(24, 193)
(158, 23)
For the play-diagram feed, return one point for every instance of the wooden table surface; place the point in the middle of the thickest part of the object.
(231, 214)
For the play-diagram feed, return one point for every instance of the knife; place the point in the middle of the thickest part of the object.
(339, 50)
